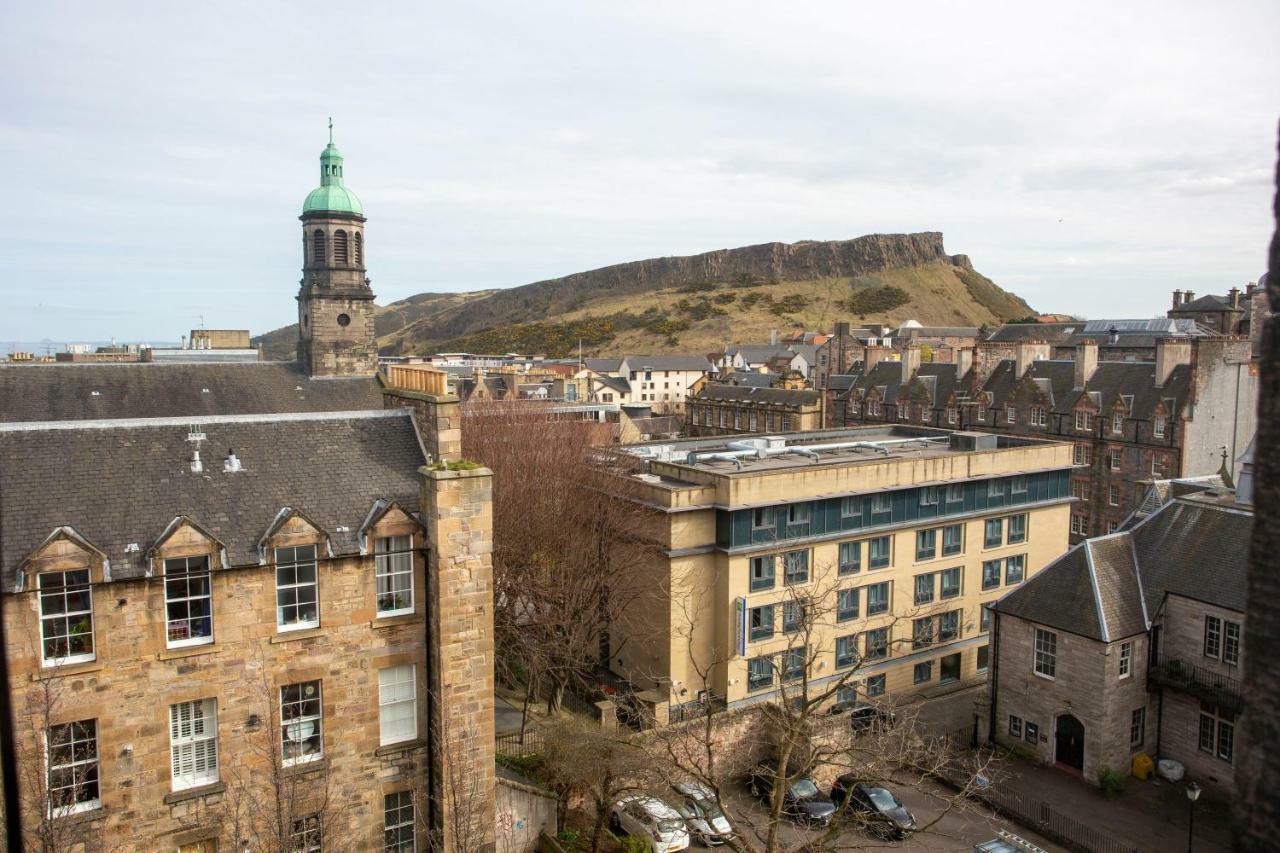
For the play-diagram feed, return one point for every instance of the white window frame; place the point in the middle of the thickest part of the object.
(186, 577)
(1038, 416)
(314, 584)
(1010, 416)
(74, 766)
(1045, 661)
(1117, 423)
(1126, 659)
(1231, 633)
(48, 593)
(1158, 424)
(393, 562)
(298, 723)
(397, 704)
(193, 743)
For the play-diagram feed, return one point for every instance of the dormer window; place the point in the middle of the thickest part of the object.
(66, 617)
(1117, 423)
(188, 602)
(1084, 421)
(297, 588)
(393, 556)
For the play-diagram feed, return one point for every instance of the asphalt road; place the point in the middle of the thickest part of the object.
(953, 830)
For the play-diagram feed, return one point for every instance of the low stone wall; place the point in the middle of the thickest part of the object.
(523, 813)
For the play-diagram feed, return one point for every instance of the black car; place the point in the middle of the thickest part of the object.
(876, 807)
(864, 717)
(803, 800)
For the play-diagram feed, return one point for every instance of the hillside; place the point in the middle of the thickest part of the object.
(701, 302)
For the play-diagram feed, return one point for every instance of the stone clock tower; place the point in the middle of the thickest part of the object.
(335, 302)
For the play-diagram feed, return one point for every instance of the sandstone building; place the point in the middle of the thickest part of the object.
(1179, 414)
(860, 558)
(247, 604)
(728, 409)
(1130, 643)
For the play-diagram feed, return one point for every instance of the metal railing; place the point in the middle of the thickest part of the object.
(1039, 816)
(1198, 681)
(510, 743)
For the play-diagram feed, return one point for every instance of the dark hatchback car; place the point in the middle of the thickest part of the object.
(803, 800)
(876, 807)
(865, 717)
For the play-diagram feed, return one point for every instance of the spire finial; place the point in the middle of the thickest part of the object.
(330, 130)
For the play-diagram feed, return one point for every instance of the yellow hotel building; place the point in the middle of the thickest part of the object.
(868, 550)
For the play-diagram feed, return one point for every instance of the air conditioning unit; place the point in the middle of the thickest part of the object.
(973, 441)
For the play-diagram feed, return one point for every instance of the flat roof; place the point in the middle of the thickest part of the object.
(760, 453)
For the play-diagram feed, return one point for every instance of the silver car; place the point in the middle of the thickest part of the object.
(697, 805)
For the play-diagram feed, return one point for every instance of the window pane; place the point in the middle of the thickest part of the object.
(397, 705)
(301, 724)
(394, 571)
(66, 617)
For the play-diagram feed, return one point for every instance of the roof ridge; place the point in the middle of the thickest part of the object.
(199, 420)
(1097, 596)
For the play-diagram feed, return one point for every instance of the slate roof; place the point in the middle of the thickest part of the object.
(760, 353)
(617, 383)
(60, 392)
(911, 332)
(1210, 303)
(844, 381)
(123, 482)
(1048, 332)
(1111, 379)
(751, 378)
(603, 365)
(668, 362)
(744, 394)
(1109, 587)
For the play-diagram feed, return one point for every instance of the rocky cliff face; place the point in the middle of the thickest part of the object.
(767, 262)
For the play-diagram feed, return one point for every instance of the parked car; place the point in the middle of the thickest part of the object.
(877, 807)
(803, 800)
(651, 819)
(702, 814)
(864, 717)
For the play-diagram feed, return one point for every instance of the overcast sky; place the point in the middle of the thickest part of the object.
(1091, 157)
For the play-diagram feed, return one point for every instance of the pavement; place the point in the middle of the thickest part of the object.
(1148, 816)
(506, 715)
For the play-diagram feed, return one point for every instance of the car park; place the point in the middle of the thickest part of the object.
(702, 814)
(802, 801)
(653, 820)
(875, 806)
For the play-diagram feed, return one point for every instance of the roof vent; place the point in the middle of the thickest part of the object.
(204, 390)
(95, 393)
(196, 465)
(132, 548)
(232, 463)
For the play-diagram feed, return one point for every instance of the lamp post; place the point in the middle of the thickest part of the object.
(1193, 794)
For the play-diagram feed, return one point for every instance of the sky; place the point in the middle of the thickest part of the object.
(1090, 157)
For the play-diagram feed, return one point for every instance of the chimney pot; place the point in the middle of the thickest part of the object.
(1190, 297)
(1177, 298)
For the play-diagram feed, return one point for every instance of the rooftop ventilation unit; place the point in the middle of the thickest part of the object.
(973, 441)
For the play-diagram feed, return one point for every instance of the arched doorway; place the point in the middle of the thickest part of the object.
(1069, 742)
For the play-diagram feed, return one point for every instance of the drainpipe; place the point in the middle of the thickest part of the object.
(993, 663)
(8, 762)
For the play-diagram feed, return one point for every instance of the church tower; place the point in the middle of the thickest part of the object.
(335, 301)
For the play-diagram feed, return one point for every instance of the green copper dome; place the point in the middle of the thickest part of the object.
(331, 196)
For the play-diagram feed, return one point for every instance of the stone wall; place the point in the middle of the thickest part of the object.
(439, 419)
(523, 811)
(458, 509)
(129, 687)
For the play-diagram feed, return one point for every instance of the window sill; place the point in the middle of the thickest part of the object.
(297, 634)
(402, 746)
(187, 651)
(66, 669)
(399, 619)
(1042, 675)
(302, 768)
(194, 793)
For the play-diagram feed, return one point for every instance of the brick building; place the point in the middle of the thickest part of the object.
(1131, 422)
(1129, 643)
(236, 602)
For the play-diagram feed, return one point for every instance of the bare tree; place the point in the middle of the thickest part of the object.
(462, 796)
(563, 550)
(581, 759)
(799, 732)
(284, 797)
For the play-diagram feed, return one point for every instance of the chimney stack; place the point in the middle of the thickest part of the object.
(1086, 362)
(1234, 294)
(1027, 352)
(1170, 352)
(1250, 289)
(1177, 298)
(1189, 297)
(964, 361)
(910, 361)
(875, 354)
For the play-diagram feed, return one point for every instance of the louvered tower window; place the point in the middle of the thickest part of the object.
(359, 249)
(340, 246)
(317, 247)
